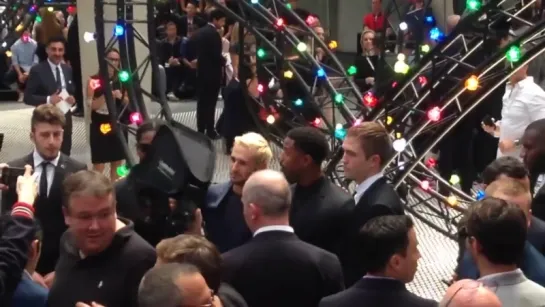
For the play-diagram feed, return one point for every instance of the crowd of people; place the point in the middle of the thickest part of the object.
(75, 237)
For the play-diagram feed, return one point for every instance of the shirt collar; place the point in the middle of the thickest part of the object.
(38, 159)
(362, 187)
(284, 228)
(522, 83)
(496, 276)
(53, 65)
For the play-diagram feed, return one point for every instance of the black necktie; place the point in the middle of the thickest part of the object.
(43, 179)
(58, 77)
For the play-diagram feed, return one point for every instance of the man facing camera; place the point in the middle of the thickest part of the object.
(50, 168)
(223, 216)
(102, 258)
(391, 257)
(50, 82)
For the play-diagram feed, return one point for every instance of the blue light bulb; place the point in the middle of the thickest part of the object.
(321, 73)
(119, 30)
(480, 195)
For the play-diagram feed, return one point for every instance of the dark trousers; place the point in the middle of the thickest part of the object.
(456, 155)
(175, 77)
(11, 77)
(77, 79)
(66, 147)
(208, 91)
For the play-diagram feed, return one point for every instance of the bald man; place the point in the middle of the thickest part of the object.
(533, 262)
(469, 293)
(276, 268)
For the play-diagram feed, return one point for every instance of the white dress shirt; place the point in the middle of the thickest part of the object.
(364, 186)
(274, 228)
(523, 104)
(50, 169)
(54, 70)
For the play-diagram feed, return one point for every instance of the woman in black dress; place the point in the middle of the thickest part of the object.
(105, 145)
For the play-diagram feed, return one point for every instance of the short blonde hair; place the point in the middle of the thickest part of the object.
(258, 143)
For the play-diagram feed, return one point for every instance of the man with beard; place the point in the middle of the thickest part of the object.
(319, 208)
(533, 155)
(223, 217)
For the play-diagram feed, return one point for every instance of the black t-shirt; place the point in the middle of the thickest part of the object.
(110, 278)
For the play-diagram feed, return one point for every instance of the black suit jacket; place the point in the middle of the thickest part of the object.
(536, 234)
(181, 23)
(17, 233)
(378, 200)
(538, 203)
(320, 218)
(375, 292)
(277, 269)
(41, 83)
(210, 61)
(48, 211)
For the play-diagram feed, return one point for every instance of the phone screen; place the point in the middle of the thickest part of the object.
(10, 175)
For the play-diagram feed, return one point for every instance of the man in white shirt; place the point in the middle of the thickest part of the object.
(523, 103)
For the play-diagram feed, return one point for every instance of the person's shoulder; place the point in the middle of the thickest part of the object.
(73, 164)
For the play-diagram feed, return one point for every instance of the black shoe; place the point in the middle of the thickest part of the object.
(213, 134)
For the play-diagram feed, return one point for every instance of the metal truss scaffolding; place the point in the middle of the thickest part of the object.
(423, 100)
(131, 72)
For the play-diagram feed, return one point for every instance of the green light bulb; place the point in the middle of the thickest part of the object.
(260, 53)
(473, 5)
(122, 171)
(513, 54)
(352, 70)
(123, 76)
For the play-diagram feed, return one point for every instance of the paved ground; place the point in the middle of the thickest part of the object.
(438, 252)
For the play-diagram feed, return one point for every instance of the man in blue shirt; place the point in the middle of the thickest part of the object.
(23, 57)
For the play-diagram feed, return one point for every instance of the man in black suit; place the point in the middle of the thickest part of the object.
(210, 64)
(319, 208)
(367, 149)
(391, 257)
(50, 82)
(50, 168)
(533, 155)
(189, 18)
(16, 236)
(276, 268)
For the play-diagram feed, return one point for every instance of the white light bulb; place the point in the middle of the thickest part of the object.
(88, 37)
(271, 83)
(401, 57)
(399, 145)
(403, 26)
(4, 45)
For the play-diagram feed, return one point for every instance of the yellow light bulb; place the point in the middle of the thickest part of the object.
(452, 200)
(398, 135)
(333, 45)
(389, 120)
(105, 128)
(50, 9)
(472, 83)
(19, 28)
(8, 54)
(288, 74)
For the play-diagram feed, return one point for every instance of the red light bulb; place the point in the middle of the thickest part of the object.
(434, 114)
(311, 20)
(136, 118)
(316, 121)
(425, 185)
(431, 163)
(422, 80)
(370, 100)
(260, 88)
(280, 22)
(25, 38)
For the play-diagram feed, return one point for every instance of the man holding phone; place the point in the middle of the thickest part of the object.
(50, 168)
(523, 103)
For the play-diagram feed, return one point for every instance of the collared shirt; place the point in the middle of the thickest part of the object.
(274, 228)
(362, 187)
(50, 168)
(523, 104)
(23, 54)
(493, 277)
(54, 70)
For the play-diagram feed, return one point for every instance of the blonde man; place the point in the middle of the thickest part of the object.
(225, 225)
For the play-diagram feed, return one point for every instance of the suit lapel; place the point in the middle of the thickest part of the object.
(60, 171)
(50, 77)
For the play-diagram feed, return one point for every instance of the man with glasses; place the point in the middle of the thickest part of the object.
(496, 238)
(469, 293)
(102, 259)
(175, 285)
